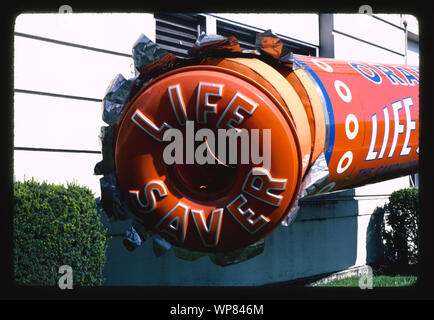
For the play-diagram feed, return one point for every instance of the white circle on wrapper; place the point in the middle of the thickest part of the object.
(322, 65)
(347, 155)
(339, 85)
(351, 118)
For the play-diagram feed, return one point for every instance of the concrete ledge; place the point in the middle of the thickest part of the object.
(324, 278)
(344, 274)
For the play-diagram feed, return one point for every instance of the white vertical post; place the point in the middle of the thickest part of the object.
(210, 25)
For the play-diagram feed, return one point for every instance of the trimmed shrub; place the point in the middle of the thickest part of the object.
(54, 226)
(401, 235)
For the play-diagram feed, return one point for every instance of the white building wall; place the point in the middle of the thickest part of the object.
(62, 68)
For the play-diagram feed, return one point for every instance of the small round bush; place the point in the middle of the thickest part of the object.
(53, 226)
(401, 234)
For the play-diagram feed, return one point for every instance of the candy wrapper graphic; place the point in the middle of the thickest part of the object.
(314, 179)
(317, 119)
(115, 99)
(160, 246)
(106, 139)
(238, 256)
(215, 45)
(150, 61)
(132, 239)
(268, 44)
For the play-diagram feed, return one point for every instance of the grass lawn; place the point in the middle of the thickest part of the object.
(377, 281)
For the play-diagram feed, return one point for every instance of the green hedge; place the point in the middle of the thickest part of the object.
(401, 234)
(54, 226)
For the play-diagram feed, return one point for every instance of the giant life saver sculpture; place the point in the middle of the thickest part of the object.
(299, 126)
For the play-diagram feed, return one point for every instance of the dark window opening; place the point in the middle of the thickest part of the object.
(177, 32)
(247, 38)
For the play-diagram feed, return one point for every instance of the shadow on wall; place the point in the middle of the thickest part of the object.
(375, 248)
(329, 231)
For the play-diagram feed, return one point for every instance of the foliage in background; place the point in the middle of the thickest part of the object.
(401, 231)
(54, 226)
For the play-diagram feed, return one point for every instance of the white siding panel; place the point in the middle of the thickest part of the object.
(383, 188)
(48, 67)
(412, 23)
(56, 123)
(304, 27)
(412, 54)
(351, 49)
(362, 226)
(392, 18)
(366, 205)
(57, 167)
(110, 31)
(396, 19)
(367, 28)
